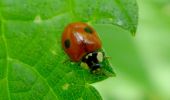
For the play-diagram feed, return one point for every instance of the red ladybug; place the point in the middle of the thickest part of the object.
(81, 42)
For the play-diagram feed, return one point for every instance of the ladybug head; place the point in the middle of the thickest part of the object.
(93, 61)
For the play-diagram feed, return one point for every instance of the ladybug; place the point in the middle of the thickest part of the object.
(81, 43)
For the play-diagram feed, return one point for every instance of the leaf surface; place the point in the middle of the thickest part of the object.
(32, 63)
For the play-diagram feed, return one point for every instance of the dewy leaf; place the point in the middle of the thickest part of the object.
(32, 63)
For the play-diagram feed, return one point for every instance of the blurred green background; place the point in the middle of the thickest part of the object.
(142, 63)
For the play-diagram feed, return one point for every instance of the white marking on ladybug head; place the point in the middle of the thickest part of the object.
(87, 57)
(90, 54)
(100, 56)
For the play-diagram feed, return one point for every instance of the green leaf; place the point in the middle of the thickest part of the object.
(33, 64)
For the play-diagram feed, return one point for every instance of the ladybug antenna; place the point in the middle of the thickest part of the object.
(107, 57)
(107, 73)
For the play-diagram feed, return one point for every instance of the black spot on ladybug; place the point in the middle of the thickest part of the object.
(67, 43)
(88, 30)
